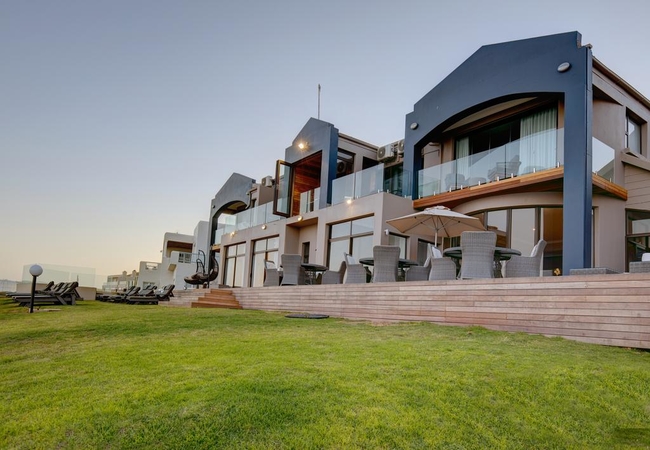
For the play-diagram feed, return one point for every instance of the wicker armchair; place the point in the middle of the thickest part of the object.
(526, 266)
(386, 263)
(478, 254)
(292, 271)
(642, 266)
(272, 276)
(442, 268)
(334, 276)
(354, 272)
(419, 273)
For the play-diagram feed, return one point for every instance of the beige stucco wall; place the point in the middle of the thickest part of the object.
(314, 228)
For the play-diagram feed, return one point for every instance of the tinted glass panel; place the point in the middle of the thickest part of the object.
(365, 225)
(522, 234)
(340, 230)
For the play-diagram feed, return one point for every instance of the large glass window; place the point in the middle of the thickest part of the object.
(523, 144)
(638, 235)
(263, 250)
(398, 241)
(234, 265)
(633, 136)
(354, 237)
(497, 221)
(522, 228)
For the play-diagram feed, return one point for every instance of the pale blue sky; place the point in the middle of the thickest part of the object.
(119, 120)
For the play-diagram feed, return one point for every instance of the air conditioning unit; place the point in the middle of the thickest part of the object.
(400, 147)
(267, 181)
(390, 151)
(342, 167)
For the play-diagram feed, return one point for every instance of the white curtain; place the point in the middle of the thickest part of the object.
(538, 140)
(462, 157)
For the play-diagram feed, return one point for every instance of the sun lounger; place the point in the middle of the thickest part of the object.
(121, 296)
(158, 296)
(45, 291)
(67, 295)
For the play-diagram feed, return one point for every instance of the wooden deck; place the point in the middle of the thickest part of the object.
(601, 309)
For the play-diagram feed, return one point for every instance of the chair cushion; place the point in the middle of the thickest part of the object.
(435, 252)
(350, 259)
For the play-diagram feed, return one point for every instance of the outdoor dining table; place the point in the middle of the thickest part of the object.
(500, 254)
(312, 270)
(402, 265)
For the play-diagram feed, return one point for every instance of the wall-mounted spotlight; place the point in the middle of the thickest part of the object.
(386, 232)
(414, 126)
(302, 145)
(232, 233)
(348, 200)
(564, 67)
(299, 218)
(264, 227)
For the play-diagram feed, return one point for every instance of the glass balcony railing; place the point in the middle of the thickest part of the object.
(309, 200)
(540, 151)
(602, 159)
(373, 180)
(243, 220)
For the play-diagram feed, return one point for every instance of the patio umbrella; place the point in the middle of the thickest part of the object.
(439, 219)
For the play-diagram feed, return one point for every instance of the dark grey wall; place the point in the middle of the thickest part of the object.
(233, 191)
(510, 70)
(320, 136)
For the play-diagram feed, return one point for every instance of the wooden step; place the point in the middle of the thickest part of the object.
(217, 298)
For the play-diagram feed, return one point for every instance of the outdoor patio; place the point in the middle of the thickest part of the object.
(611, 309)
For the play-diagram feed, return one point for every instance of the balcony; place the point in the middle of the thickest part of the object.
(243, 220)
(393, 180)
(534, 153)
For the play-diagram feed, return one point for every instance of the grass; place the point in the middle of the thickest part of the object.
(102, 375)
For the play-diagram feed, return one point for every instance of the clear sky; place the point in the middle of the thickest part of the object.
(120, 120)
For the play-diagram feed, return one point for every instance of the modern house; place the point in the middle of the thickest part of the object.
(536, 137)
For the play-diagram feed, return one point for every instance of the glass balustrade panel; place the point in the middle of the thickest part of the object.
(536, 152)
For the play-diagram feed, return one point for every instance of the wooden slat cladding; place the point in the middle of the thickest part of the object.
(607, 309)
(637, 182)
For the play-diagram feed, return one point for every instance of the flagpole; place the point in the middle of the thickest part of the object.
(318, 101)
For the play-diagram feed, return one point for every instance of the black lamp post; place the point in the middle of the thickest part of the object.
(35, 271)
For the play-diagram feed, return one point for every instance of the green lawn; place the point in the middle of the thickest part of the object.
(115, 376)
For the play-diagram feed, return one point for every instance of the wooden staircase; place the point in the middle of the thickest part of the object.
(216, 298)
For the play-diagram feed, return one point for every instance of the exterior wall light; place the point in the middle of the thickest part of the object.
(232, 233)
(414, 126)
(348, 201)
(564, 67)
(264, 227)
(299, 218)
(302, 145)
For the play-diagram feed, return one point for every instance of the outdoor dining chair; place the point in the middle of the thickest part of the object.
(271, 274)
(478, 254)
(526, 266)
(334, 276)
(386, 263)
(442, 268)
(642, 266)
(354, 272)
(292, 271)
(419, 273)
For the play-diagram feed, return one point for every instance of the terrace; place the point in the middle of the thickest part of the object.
(607, 309)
